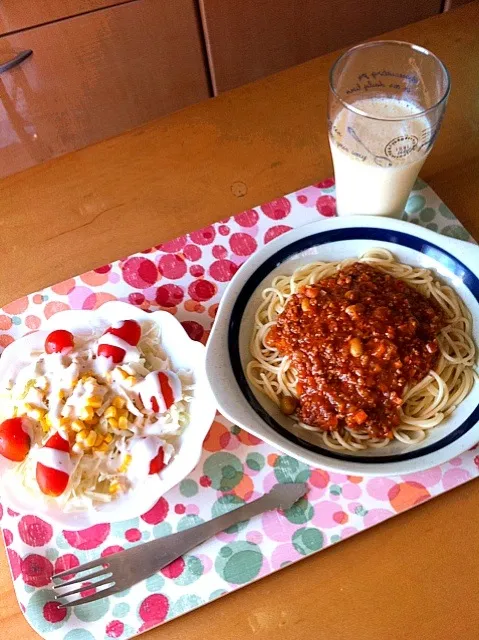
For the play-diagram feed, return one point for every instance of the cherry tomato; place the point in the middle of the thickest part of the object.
(109, 351)
(129, 331)
(52, 482)
(14, 442)
(158, 462)
(57, 442)
(59, 341)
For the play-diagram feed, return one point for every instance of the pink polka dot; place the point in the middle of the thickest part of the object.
(277, 209)
(192, 510)
(427, 478)
(194, 330)
(68, 561)
(95, 300)
(17, 306)
(375, 516)
(12, 513)
(247, 218)
(256, 537)
(224, 230)
(114, 548)
(54, 307)
(324, 516)
(136, 298)
(201, 290)
(302, 199)
(276, 526)
(192, 252)
(219, 252)
(275, 232)
(326, 206)
(351, 491)
(34, 531)
(180, 508)
(64, 287)
(172, 266)
(90, 538)
(242, 244)
(456, 462)
(197, 270)
(15, 563)
(114, 629)
(454, 477)
(139, 273)
(325, 184)
(1, 511)
(204, 236)
(169, 295)
(154, 608)
(347, 532)
(8, 537)
(223, 270)
(173, 245)
(36, 570)
(52, 612)
(174, 569)
(105, 269)
(133, 535)
(157, 513)
(32, 322)
(114, 277)
(379, 488)
(283, 554)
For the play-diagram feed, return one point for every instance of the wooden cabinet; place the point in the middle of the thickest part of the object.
(97, 75)
(249, 39)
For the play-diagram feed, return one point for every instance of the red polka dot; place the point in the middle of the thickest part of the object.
(340, 517)
(12, 513)
(36, 570)
(201, 290)
(247, 218)
(193, 329)
(68, 561)
(105, 269)
(204, 236)
(223, 270)
(169, 295)
(277, 209)
(52, 612)
(302, 199)
(173, 245)
(90, 538)
(224, 230)
(319, 478)
(1, 512)
(242, 244)
(276, 231)
(136, 298)
(219, 252)
(154, 608)
(476, 461)
(34, 532)
(133, 535)
(205, 481)
(157, 513)
(197, 270)
(172, 266)
(180, 508)
(326, 205)
(114, 629)
(192, 252)
(115, 548)
(174, 569)
(15, 563)
(8, 537)
(139, 273)
(87, 592)
(325, 184)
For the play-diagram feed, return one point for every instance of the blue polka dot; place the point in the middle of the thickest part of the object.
(16, 320)
(120, 610)
(79, 634)
(155, 583)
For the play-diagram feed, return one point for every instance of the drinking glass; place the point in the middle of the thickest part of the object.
(386, 103)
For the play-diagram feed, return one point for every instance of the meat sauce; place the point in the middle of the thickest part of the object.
(356, 339)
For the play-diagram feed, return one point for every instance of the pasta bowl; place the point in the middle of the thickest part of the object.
(453, 262)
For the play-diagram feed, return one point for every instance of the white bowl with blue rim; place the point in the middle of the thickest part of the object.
(455, 262)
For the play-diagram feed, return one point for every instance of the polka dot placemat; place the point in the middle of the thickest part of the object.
(187, 276)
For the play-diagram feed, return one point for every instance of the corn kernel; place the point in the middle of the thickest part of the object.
(125, 464)
(77, 448)
(83, 435)
(95, 402)
(77, 425)
(113, 423)
(86, 413)
(103, 448)
(93, 422)
(61, 394)
(90, 439)
(119, 402)
(111, 412)
(131, 381)
(122, 373)
(99, 439)
(114, 486)
(108, 438)
(36, 413)
(45, 426)
(122, 422)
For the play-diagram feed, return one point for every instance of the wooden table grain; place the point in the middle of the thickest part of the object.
(416, 576)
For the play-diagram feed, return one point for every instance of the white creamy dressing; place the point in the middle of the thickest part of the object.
(58, 460)
(150, 388)
(143, 451)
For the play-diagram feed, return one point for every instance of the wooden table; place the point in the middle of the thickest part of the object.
(416, 576)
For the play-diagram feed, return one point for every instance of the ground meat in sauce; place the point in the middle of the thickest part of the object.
(356, 339)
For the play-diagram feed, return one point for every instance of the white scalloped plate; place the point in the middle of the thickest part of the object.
(183, 352)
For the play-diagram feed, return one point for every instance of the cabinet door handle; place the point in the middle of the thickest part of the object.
(18, 59)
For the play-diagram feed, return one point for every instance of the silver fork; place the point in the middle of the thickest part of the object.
(124, 569)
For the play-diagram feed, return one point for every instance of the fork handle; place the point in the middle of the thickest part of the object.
(165, 550)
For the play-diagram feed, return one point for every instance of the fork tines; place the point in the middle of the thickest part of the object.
(105, 575)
